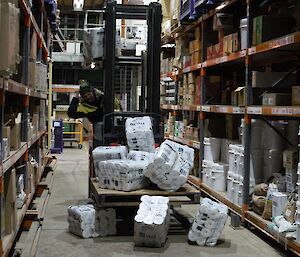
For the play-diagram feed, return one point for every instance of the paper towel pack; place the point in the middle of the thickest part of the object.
(171, 166)
(209, 223)
(139, 134)
(151, 223)
(21, 196)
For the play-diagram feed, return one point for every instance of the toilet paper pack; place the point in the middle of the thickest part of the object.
(151, 223)
(86, 222)
(209, 223)
(171, 166)
(123, 175)
(139, 134)
(21, 196)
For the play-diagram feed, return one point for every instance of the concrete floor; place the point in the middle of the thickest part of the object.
(70, 187)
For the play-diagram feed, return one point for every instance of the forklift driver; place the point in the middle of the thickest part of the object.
(90, 104)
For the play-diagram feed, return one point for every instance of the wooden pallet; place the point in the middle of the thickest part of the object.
(188, 194)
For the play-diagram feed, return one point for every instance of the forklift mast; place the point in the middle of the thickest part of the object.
(151, 66)
(150, 92)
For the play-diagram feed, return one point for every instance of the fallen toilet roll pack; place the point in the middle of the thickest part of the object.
(151, 223)
(209, 223)
(171, 166)
(86, 222)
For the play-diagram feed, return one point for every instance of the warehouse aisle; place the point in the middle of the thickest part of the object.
(71, 187)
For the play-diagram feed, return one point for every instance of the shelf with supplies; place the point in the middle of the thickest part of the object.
(226, 109)
(241, 61)
(263, 225)
(16, 155)
(191, 143)
(282, 111)
(181, 107)
(18, 88)
(26, 9)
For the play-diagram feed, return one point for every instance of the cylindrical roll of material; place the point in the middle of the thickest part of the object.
(271, 138)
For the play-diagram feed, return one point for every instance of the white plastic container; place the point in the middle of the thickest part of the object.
(205, 167)
(218, 177)
(230, 186)
(244, 35)
(236, 189)
(232, 158)
(212, 149)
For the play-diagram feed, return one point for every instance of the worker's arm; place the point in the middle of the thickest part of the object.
(72, 111)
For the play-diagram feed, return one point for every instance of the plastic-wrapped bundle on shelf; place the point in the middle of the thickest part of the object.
(212, 149)
(151, 223)
(171, 166)
(123, 175)
(104, 153)
(209, 223)
(21, 196)
(140, 156)
(106, 222)
(81, 220)
(139, 134)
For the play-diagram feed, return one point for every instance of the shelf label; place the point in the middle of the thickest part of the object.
(204, 64)
(237, 110)
(198, 108)
(206, 108)
(282, 111)
(196, 145)
(254, 110)
(222, 59)
(222, 109)
(252, 50)
(282, 41)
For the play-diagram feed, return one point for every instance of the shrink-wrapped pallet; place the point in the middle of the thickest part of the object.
(209, 223)
(151, 223)
(171, 166)
(139, 134)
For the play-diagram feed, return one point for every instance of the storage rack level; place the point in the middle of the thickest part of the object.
(271, 52)
(17, 95)
(73, 130)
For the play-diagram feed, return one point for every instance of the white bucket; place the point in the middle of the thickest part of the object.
(244, 36)
(236, 187)
(218, 177)
(212, 149)
(230, 188)
(232, 158)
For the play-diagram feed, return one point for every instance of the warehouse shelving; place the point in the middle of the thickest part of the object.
(274, 51)
(16, 96)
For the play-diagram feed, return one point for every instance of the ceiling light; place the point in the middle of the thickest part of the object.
(78, 5)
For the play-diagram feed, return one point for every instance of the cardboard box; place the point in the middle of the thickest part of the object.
(198, 33)
(290, 211)
(296, 95)
(32, 74)
(290, 159)
(273, 99)
(198, 90)
(268, 79)
(279, 201)
(235, 42)
(222, 21)
(10, 194)
(225, 45)
(218, 50)
(210, 52)
(239, 96)
(35, 123)
(196, 58)
(15, 139)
